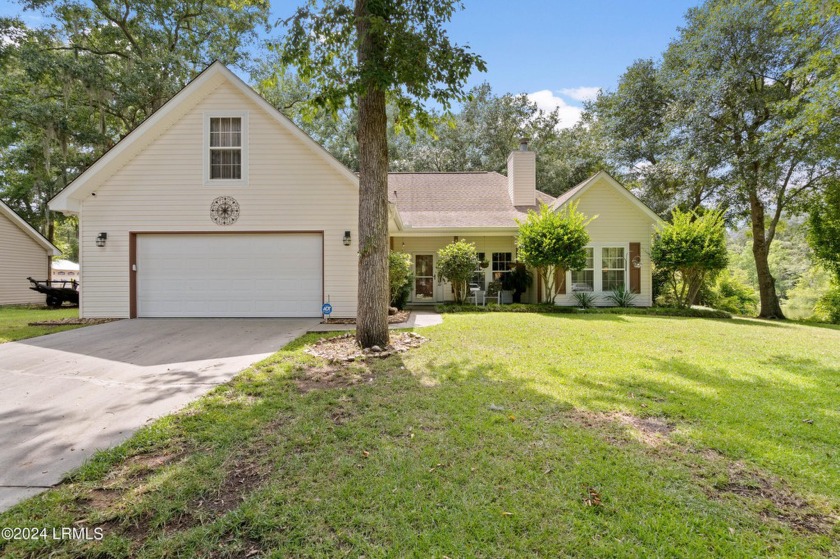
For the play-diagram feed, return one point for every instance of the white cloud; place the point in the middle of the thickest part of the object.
(548, 101)
(581, 93)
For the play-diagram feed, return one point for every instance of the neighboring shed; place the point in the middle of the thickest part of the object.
(23, 253)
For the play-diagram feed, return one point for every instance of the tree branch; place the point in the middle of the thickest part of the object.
(92, 51)
(121, 23)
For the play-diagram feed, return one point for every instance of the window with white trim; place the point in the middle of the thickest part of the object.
(226, 148)
(501, 264)
(613, 268)
(584, 279)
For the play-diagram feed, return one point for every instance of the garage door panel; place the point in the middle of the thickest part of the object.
(231, 275)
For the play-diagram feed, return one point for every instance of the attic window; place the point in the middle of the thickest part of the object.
(225, 142)
(225, 148)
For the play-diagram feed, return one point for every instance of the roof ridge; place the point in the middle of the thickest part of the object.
(440, 172)
(18, 220)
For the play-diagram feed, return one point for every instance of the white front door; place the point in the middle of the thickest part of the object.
(424, 278)
(229, 275)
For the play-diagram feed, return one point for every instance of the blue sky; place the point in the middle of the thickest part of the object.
(560, 52)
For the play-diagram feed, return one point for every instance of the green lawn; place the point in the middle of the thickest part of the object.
(14, 321)
(687, 437)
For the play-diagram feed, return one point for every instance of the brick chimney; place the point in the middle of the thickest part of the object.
(522, 175)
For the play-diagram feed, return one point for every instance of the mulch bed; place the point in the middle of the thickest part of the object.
(344, 348)
(73, 321)
(399, 318)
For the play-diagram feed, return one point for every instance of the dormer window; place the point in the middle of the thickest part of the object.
(225, 148)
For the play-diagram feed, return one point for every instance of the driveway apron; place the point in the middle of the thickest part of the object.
(66, 395)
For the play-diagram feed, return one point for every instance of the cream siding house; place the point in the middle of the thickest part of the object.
(217, 205)
(23, 253)
(430, 210)
(265, 240)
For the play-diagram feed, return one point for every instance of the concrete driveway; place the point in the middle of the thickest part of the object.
(66, 395)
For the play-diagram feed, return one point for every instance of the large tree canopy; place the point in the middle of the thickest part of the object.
(478, 136)
(70, 90)
(739, 115)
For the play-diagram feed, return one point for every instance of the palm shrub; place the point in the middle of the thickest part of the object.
(622, 297)
(456, 264)
(520, 280)
(549, 240)
(585, 299)
(400, 277)
(688, 251)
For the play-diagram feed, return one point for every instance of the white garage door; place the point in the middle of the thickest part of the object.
(229, 275)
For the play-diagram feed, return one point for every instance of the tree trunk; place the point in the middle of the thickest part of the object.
(770, 307)
(372, 135)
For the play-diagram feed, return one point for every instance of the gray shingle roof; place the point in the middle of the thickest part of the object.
(456, 200)
(566, 196)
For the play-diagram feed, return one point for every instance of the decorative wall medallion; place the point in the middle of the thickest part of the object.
(224, 210)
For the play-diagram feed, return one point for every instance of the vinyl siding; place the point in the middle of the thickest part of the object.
(20, 257)
(290, 188)
(522, 175)
(619, 223)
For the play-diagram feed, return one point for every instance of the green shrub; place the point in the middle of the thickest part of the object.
(659, 283)
(828, 307)
(400, 277)
(729, 293)
(824, 228)
(553, 239)
(689, 250)
(548, 308)
(622, 297)
(456, 264)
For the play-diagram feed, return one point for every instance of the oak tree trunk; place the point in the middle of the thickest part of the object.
(372, 135)
(770, 307)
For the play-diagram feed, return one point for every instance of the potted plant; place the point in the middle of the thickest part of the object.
(494, 289)
(484, 264)
(520, 278)
(506, 294)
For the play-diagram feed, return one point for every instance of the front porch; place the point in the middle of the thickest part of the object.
(499, 251)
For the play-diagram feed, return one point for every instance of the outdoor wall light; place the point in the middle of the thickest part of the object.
(100, 240)
(347, 238)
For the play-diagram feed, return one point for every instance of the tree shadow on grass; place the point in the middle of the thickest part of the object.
(824, 325)
(783, 418)
(586, 317)
(481, 462)
(759, 322)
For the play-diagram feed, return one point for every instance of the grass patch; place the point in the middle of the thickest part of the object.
(505, 435)
(14, 321)
(696, 312)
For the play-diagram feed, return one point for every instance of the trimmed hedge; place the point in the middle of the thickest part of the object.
(556, 309)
